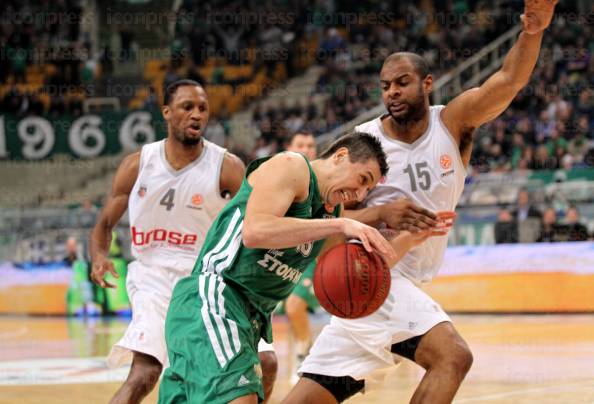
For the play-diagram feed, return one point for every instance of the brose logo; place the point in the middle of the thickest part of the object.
(140, 238)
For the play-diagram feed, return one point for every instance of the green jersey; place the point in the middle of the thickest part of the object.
(263, 276)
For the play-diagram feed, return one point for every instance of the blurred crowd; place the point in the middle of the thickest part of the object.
(526, 223)
(44, 57)
(549, 125)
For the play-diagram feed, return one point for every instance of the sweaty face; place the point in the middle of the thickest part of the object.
(305, 144)
(351, 181)
(187, 114)
(404, 93)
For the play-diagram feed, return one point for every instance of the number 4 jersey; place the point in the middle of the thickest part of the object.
(171, 210)
(429, 172)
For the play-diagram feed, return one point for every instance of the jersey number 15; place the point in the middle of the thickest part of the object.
(422, 179)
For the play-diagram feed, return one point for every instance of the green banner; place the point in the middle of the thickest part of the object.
(87, 136)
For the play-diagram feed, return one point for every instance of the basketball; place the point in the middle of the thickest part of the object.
(350, 282)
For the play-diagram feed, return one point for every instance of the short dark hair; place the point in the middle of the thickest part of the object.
(362, 147)
(418, 62)
(171, 89)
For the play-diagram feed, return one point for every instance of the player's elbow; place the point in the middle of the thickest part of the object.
(513, 84)
(250, 236)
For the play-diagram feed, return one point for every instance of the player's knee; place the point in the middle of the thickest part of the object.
(295, 306)
(144, 378)
(269, 364)
(459, 360)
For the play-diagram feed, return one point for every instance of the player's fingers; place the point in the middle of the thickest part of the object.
(382, 245)
(446, 214)
(447, 217)
(95, 278)
(108, 285)
(424, 222)
(366, 244)
(407, 227)
(424, 212)
(439, 232)
(112, 271)
(445, 223)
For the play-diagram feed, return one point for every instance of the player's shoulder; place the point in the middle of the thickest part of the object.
(372, 126)
(289, 161)
(232, 162)
(131, 161)
(288, 168)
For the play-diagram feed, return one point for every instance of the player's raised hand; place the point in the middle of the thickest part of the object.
(444, 222)
(369, 236)
(403, 214)
(537, 15)
(101, 265)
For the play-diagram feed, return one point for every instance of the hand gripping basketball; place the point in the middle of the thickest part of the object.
(537, 15)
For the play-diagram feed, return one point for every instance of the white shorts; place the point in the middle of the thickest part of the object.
(149, 290)
(358, 347)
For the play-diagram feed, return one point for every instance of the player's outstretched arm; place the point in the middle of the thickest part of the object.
(403, 241)
(116, 205)
(476, 106)
(276, 184)
(401, 214)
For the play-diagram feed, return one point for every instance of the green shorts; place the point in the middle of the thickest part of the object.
(305, 288)
(212, 344)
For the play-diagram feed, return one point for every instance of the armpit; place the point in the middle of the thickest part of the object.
(466, 138)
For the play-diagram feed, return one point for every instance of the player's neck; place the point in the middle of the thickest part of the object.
(179, 155)
(406, 132)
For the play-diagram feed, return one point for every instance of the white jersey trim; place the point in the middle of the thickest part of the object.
(451, 137)
(172, 170)
(409, 146)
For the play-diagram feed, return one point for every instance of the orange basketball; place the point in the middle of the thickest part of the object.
(350, 282)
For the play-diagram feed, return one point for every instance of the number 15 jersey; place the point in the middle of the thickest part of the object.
(430, 173)
(171, 210)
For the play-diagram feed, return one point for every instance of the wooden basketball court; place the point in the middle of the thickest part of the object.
(518, 359)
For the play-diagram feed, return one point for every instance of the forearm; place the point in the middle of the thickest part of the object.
(401, 245)
(285, 232)
(100, 241)
(370, 216)
(521, 59)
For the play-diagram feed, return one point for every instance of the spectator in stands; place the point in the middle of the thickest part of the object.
(152, 101)
(551, 231)
(71, 251)
(573, 229)
(331, 45)
(304, 142)
(525, 209)
(506, 228)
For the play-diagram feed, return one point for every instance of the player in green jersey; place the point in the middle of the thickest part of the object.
(252, 258)
(302, 298)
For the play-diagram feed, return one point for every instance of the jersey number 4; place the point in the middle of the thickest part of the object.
(422, 179)
(167, 199)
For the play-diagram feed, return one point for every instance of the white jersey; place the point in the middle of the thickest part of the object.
(171, 210)
(429, 172)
